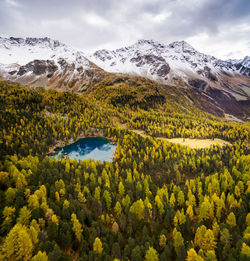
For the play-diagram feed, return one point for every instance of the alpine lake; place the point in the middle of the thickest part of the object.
(97, 148)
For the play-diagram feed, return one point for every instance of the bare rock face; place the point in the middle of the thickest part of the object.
(198, 83)
(163, 70)
(147, 59)
(242, 69)
(38, 67)
(243, 66)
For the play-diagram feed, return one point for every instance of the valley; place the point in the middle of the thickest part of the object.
(173, 184)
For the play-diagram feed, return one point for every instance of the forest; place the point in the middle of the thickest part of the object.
(155, 201)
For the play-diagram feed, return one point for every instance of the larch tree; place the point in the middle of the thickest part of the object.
(138, 209)
(115, 227)
(18, 244)
(180, 198)
(121, 189)
(210, 255)
(24, 216)
(172, 200)
(107, 198)
(97, 246)
(178, 241)
(245, 252)
(77, 227)
(231, 220)
(193, 256)
(151, 255)
(204, 238)
(190, 212)
(118, 209)
(40, 256)
(162, 241)
(8, 214)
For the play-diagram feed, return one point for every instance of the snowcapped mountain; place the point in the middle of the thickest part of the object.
(224, 85)
(22, 51)
(243, 66)
(178, 63)
(164, 62)
(246, 62)
(45, 62)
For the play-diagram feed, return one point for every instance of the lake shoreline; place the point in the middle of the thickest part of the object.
(94, 133)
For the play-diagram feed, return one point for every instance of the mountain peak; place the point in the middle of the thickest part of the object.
(246, 61)
(21, 51)
(182, 46)
(30, 41)
(145, 41)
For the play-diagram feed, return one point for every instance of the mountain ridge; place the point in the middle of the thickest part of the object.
(50, 63)
(46, 62)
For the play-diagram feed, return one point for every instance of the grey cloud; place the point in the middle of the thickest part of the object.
(123, 21)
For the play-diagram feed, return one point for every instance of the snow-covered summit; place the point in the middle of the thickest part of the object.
(24, 50)
(246, 61)
(158, 61)
(45, 62)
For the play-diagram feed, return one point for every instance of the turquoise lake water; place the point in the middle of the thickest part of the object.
(88, 148)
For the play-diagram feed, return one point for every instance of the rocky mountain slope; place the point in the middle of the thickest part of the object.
(226, 83)
(219, 86)
(242, 66)
(46, 62)
(158, 61)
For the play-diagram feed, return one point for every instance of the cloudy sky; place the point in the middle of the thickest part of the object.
(218, 27)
